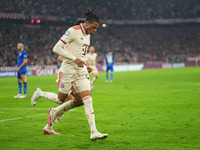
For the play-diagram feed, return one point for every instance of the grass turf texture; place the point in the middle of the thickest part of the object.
(144, 110)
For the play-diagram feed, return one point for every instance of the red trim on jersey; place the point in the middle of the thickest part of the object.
(77, 27)
(59, 77)
(63, 41)
(82, 29)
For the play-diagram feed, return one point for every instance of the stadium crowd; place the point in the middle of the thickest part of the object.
(107, 9)
(129, 44)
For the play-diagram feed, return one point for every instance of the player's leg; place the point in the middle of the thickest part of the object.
(85, 94)
(111, 77)
(111, 74)
(19, 81)
(54, 118)
(49, 129)
(23, 77)
(107, 69)
(95, 76)
(89, 111)
(53, 113)
(77, 102)
(64, 83)
(47, 95)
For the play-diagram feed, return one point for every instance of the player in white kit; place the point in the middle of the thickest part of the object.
(91, 62)
(73, 74)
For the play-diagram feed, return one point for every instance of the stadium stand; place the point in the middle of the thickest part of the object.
(132, 9)
(130, 44)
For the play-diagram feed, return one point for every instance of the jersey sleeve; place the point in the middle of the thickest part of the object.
(69, 36)
(24, 55)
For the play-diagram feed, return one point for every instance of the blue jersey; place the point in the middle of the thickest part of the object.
(109, 60)
(22, 55)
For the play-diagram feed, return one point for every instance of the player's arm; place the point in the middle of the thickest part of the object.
(66, 39)
(58, 48)
(23, 63)
(89, 69)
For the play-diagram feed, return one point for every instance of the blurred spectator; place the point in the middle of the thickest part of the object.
(129, 44)
(107, 9)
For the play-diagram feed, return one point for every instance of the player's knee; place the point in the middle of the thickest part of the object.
(59, 101)
(96, 75)
(77, 103)
(87, 99)
(62, 97)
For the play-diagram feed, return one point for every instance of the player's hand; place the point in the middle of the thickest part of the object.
(89, 69)
(18, 69)
(79, 62)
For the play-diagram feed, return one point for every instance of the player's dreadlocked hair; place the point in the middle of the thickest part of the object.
(78, 22)
(84, 17)
(92, 18)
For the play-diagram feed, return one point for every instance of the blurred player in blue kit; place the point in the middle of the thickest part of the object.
(21, 70)
(109, 62)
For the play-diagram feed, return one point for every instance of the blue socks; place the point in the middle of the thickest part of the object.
(106, 76)
(111, 76)
(25, 87)
(20, 88)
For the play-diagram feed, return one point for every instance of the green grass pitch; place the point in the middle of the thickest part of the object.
(144, 110)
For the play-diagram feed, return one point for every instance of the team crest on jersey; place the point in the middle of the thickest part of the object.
(62, 85)
(81, 38)
(67, 33)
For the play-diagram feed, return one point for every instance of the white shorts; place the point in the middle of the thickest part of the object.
(94, 69)
(74, 82)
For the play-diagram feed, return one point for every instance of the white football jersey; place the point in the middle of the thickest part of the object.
(77, 42)
(91, 59)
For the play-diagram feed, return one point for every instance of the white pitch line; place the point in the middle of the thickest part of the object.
(33, 108)
(22, 117)
(196, 83)
(26, 116)
(27, 108)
